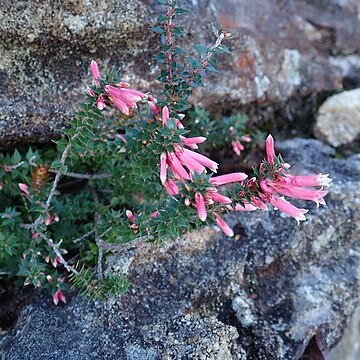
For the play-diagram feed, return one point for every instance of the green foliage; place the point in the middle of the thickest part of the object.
(75, 193)
(88, 284)
(181, 74)
(221, 132)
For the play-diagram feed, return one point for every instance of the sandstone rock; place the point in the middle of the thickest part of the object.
(260, 295)
(338, 121)
(280, 49)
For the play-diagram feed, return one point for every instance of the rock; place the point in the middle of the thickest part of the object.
(348, 348)
(280, 50)
(260, 295)
(338, 121)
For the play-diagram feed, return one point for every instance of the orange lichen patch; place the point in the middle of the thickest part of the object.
(245, 62)
(227, 22)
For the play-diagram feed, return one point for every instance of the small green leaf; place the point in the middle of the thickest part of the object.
(160, 57)
(16, 158)
(161, 18)
(158, 30)
(179, 11)
(176, 31)
(195, 64)
(212, 69)
(202, 49)
(214, 29)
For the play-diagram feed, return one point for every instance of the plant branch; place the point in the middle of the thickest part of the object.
(169, 53)
(75, 241)
(9, 168)
(223, 35)
(56, 249)
(97, 238)
(124, 247)
(73, 174)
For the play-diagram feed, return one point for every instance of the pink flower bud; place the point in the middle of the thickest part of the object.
(165, 115)
(24, 188)
(100, 103)
(171, 187)
(223, 225)
(95, 71)
(270, 151)
(130, 215)
(163, 166)
(122, 137)
(59, 296)
(200, 206)
(246, 138)
(90, 92)
(154, 214)
(48, 220)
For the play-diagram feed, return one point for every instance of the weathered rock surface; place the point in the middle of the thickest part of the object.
(261, 295)
(280, 49)
(338, 121)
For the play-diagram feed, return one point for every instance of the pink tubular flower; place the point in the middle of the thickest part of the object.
(154, 214)
(179, 124)
(228, 178)
(270, 150)
(59, 296)
(214, 196)
(223, 225)
(283, 186)
(200, 206)
(310, 180)
(258, 203)
(24, 188)
(201, 159)
(298, 192)
(237, 147)
(171, 187)
(246, 138)
(245, 207)
(90, 92)
(176, 167)
(288, 208)
(95, 72)
(48, 220)
(189, 161)
(152, 102)
(121, 137)
(123, 97)
(180, 158)
(192, 142)
(165, 116)
(55, 262)
(129, 214)
(163, 167)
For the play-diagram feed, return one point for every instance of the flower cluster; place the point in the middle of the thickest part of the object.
(119, 95)
(139, 175)
(184, 172)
